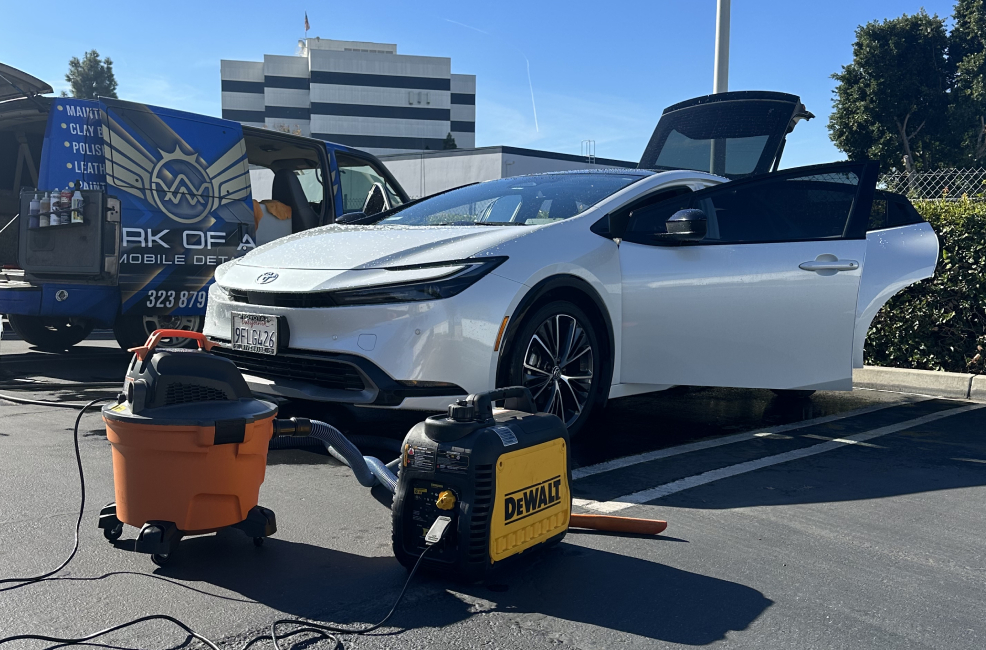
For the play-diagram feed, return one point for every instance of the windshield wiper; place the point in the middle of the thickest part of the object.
(498, 223)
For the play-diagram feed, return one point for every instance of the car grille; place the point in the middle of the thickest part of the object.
(298, 300)
(310, 368)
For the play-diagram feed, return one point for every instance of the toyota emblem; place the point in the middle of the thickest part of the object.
(267, 278)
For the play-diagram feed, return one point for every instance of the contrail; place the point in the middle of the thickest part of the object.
(531, 84)
(528, 61)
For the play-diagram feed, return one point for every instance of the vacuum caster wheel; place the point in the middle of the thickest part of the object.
(258, 541)
(161, 559)
(113, 534)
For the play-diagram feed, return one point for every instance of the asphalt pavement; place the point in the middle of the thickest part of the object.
(851, 520)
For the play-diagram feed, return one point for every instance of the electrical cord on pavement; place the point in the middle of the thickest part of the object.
(325, 631)
(82, 507)
(329, 631)
(83, 639)
(436, 534)
(43, 402)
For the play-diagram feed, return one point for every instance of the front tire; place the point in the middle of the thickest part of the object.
(132, 331)
(51, 333)
(557, 356)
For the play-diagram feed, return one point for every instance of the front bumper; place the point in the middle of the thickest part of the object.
(418, 355)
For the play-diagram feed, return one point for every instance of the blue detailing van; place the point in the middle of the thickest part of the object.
(169, 196)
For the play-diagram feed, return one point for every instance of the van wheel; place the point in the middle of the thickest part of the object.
(132, 331)
(51, 333)
(556, 354)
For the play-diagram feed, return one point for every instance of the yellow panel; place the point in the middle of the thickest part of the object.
(532, 498)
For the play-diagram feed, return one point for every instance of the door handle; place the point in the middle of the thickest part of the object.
(835, 265)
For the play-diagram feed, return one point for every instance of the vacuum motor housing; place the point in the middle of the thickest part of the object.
(502, 477)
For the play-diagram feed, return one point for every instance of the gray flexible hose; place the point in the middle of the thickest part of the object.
(368, 470)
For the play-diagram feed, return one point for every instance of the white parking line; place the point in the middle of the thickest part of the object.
(627, 461)
(651, 494)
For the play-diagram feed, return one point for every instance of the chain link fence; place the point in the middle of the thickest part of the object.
(947, 184)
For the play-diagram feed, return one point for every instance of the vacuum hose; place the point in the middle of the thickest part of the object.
(368, 470)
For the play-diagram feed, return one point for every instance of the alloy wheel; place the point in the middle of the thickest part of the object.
(558, 366)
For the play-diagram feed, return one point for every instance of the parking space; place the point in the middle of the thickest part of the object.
(849, 520)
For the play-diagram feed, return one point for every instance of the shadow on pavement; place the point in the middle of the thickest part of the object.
(567, 582)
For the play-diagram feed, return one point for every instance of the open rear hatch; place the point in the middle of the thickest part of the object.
(23, 115)
(733, 134)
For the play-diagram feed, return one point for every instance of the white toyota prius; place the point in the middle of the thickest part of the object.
(705, 266)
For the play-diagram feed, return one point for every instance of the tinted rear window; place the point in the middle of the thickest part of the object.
(732, 138)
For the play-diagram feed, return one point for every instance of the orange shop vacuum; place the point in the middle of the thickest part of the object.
(189, 449)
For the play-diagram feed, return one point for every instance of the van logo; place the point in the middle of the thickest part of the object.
(181, 188)
(267, 278)
(521, 504)
(167, 173)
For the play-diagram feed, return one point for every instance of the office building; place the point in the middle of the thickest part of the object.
(364, 95)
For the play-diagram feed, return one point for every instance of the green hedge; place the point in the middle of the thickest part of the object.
(940, 323)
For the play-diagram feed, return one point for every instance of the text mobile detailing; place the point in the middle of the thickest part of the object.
(191, 240)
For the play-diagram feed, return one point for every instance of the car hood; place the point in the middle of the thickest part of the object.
(341, 248)
(338, 257)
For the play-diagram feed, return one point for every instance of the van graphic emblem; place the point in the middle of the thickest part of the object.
(267, 278)
(169, 174)
(181, 188)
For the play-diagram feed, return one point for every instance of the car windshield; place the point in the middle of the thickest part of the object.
(518, 201)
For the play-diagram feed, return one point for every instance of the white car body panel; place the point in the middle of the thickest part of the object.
(739, 315)
(895, 258)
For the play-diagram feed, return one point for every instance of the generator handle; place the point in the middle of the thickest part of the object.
(516, 398)
(142, 351)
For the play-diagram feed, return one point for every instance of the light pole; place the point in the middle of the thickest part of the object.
(720, 75)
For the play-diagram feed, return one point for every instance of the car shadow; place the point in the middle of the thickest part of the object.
(568, 582)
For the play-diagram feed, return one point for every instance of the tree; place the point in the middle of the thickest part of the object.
(449, 142)
(91, 77)
(891, 102)
(967, 54)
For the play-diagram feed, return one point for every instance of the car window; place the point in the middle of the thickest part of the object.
(890, 211)
(522, 200)
(356, 177)
(650, 219)
(792, 209)
(311, 184)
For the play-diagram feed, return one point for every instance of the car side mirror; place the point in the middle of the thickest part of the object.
(690, 224)
(376, 200)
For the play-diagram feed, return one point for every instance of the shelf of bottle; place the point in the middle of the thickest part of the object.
(61, 225)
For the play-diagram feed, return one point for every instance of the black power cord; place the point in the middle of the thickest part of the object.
(436, 534)
(330, 631)
(324, 631)
(82, 507)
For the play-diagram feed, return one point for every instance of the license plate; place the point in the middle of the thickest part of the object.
(254, 333)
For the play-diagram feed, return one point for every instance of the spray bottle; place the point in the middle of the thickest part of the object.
(77, 202)
(34, 213)
(45, 207)
(56, 198)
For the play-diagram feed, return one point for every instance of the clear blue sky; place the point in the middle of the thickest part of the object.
(602, 70)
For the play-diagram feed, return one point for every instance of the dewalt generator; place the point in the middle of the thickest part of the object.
(502, 478)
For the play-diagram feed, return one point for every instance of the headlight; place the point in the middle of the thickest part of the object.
(462, 275)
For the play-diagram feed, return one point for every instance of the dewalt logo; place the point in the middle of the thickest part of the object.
(521, 504)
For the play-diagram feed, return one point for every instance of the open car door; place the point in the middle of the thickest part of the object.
(734, 135)
(767, 299)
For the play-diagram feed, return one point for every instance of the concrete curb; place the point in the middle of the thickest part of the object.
(955, 385)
